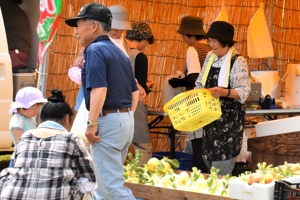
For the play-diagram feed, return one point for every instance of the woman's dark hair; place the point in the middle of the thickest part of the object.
(151, 40)
(56, 108)
(229, 44)
(198, 37)
(19, 1)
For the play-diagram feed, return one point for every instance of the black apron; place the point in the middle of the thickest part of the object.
(222, 139)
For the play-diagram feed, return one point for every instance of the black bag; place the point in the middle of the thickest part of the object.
(267, 103)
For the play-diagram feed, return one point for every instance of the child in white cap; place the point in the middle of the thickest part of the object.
(27, 104)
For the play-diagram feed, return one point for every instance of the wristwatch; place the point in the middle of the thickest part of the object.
(90, 123)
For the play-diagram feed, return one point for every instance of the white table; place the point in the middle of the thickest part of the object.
(273, 112)
(269, 114)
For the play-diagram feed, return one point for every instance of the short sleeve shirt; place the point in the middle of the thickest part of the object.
(20, 122)
(107, 66)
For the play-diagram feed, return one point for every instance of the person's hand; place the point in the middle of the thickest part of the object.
(150, 84)
(90, 134)
(218, 92)
(142, 92)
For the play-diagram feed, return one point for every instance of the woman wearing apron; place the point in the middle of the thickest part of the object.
(225, 74)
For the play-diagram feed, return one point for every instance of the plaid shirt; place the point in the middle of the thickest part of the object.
(47, 168)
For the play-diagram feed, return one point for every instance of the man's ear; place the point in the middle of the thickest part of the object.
(95, 26)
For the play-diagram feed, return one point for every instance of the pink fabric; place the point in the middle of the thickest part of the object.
(75, 71)
(75, 74)
(79, 59)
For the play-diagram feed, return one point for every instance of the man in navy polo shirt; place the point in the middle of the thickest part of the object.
(111, 96)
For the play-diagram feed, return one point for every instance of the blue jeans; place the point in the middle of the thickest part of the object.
(116, 132)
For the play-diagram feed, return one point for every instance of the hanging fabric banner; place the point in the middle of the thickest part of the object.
(49, 19)
(47, 27)
(259, 42)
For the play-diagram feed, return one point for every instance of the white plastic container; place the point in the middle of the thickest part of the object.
(292, 86)
(242, 191)
(279, 126)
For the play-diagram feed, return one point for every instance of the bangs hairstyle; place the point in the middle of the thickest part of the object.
(229, 44)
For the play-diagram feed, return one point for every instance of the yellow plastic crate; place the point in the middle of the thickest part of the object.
(193, 109)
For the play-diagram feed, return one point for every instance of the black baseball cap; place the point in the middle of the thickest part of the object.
(92, 11)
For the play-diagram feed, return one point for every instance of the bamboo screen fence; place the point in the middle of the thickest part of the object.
(167, 54)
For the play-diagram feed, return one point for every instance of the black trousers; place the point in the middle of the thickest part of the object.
(197, 155)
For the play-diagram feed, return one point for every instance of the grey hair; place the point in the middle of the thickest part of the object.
(105, 27)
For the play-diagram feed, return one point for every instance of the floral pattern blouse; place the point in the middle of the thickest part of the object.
(239, 79)
(222, 139)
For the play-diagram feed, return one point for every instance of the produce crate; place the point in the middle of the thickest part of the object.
(185, 159)
(191, 110)
(148, 192)
(285, 190)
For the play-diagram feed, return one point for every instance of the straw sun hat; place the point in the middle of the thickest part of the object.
(120, 17)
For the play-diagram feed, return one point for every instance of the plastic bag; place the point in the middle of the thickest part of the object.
(168, 92)
(267, 102)
(80, 123)
(86, 187)
(244, 154)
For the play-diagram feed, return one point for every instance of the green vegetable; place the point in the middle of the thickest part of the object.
(5, 158)
(173, 162)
